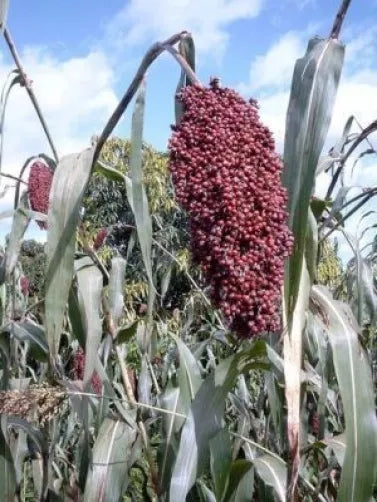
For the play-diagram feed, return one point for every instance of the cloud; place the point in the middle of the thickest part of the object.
(76, 96)
(139, 21)
(274, 69)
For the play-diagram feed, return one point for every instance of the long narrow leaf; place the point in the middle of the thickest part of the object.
(90, 285)
(69, 183)
(356, 388)
(139, 199)
(107, 479)
(313, 91)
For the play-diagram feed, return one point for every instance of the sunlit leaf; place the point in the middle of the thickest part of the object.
(108, 477)
(139, 200)
(90, 283)
(313, 91)
(356, 388)
(69, 183)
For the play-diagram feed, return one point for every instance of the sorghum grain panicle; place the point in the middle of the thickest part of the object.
(39, 186)
(79, 368)
(227, 177)
(100, 238)
(25, 285)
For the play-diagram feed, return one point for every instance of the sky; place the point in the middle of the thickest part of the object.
(81, 56)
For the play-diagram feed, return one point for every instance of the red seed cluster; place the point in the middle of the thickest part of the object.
(79, 368)
(227, 176)
(39, 186)
(100, 238)
(25, 285)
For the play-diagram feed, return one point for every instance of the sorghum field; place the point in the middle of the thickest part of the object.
(188, 331)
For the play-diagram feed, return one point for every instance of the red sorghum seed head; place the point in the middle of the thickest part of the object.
(25, 285)
(79, 368)
(39, 186)
(227, 176)
(100, 238)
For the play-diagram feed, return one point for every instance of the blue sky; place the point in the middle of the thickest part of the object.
(81, 56)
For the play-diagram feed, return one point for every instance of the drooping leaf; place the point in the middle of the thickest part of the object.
(29, 331)
(112, 449)
(313, 91)
(139, 200)
(90, 283)
(39, 442)
(238, 472)
(69, 183)
(273, 472)
(125, 333)
(204, 419)
(338, 445)
(356, 389)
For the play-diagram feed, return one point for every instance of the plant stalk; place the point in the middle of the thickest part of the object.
(339, 19)
(154, 51)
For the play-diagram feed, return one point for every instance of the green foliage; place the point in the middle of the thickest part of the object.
(33, 263)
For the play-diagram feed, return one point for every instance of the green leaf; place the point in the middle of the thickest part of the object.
(338, 445)
(7, 470)
(109, 172)
(220, 460)
(29, 331)
(90, 283)
(242, 479)
(207, 494)
(75, 318)
(116, 282)
(273, 472)
(69, 183)
(311, 246)
(125, 333)
(19, 225)
(238, 471)
(169, 401)
(39, 442)
(356, 388)
(189, 371)
(204, 419)
(112, 449)
(139, 200)
(314, 86)
(108, 476)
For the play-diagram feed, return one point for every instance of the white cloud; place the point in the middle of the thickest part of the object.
(207, 20)
(76, 96)
(274, 68)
